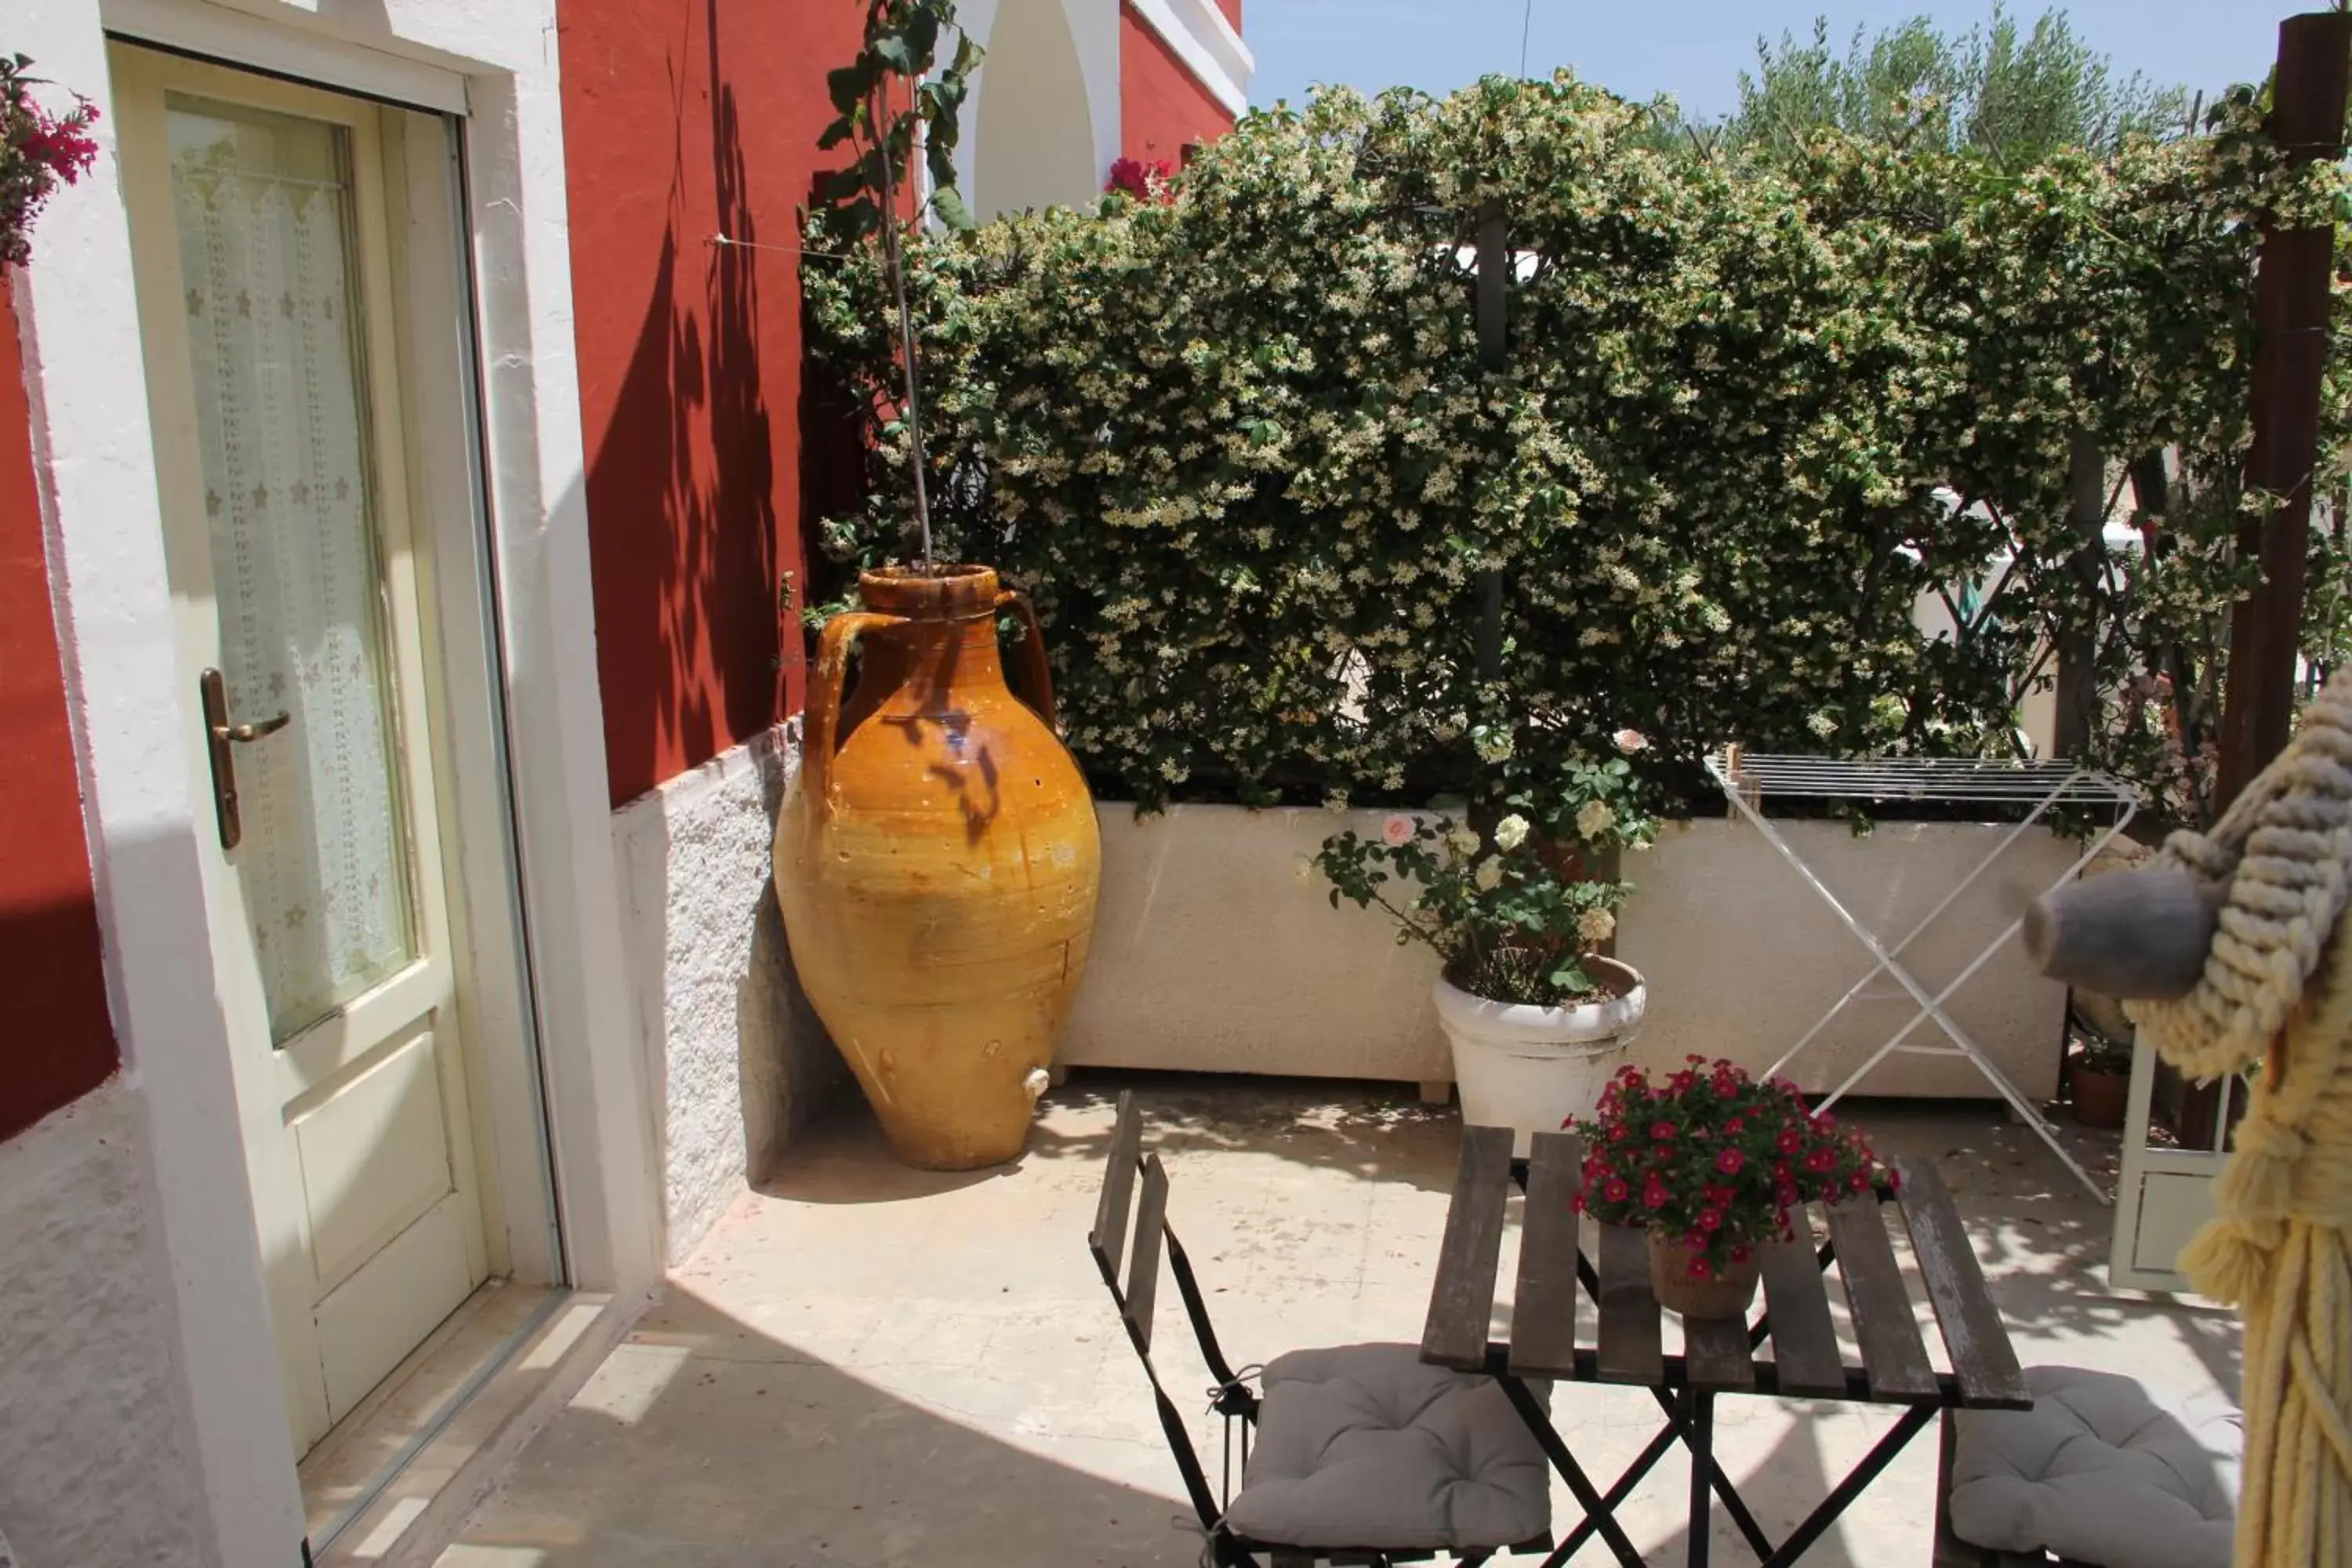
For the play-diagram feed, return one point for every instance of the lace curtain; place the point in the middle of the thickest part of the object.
(263, 208)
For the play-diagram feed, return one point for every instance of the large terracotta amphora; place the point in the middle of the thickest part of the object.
(937, 861)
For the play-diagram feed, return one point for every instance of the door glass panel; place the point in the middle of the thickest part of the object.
(263, 204)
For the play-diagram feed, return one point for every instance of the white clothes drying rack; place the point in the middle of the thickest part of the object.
(1748, 779)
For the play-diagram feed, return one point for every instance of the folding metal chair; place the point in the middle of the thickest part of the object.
(1275, 1514)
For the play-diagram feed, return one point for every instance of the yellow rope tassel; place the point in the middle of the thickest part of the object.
(2279, 1248)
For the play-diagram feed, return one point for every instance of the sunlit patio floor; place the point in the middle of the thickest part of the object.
(864, 1365)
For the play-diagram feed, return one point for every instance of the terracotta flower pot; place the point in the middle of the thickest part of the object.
(2099, 1097)
(936, 863)
(1728, 1295)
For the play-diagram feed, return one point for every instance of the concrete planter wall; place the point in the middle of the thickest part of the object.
(1215, 952)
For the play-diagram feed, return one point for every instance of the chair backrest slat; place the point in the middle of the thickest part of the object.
(1143, 1271)
(1108, 1238)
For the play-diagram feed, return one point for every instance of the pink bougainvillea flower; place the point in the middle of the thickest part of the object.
(1662, 1131)
(1735, 1125)
(1729, 1161)
(1710, 1219)
(1740, 1253)
(1700, 1270)
(1860, 1182)
(1785, 1196)
(1789, 1140)
(1682, 1080)
(1694, 1242)
(1654, 1195)
(1617, 1190)
(1820, 1160)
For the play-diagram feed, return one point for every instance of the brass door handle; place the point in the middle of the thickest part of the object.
(219, 735)
(255, 731)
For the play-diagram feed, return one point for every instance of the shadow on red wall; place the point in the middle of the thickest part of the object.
(58, 1043)
(685, 123)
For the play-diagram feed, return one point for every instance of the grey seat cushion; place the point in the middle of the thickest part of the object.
(2102, 1469)
(1365, 1445)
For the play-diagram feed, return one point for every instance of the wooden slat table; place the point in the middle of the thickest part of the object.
(1790, 1352)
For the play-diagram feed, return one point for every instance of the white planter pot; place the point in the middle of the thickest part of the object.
(1530, 1068)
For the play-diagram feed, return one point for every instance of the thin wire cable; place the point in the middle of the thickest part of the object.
(780, 250)
(1526, 23)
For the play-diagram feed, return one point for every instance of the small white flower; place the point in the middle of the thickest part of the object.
(1595, 925)
(1488, 875)
(1511, 832)
(1465, 841)
(1594, 818)
(1397, 831)
(1304, 869)
(1631, 741)
(1492, 744)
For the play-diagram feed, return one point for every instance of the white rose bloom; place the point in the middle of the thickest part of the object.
(1511, 832)
(1593, 817)
(1464, 841)
(1595, 925)
(1488, 875)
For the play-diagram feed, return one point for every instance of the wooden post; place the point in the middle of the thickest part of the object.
(2291, 306)
(2077, 695)
(1494, 352)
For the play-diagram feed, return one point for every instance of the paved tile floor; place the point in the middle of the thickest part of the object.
(869, 1367)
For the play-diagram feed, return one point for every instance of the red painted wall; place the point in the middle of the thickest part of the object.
(1161, 106)
(683, 119)
(58, 1043)
(1233, 10)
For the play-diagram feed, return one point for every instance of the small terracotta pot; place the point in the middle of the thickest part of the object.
(2099, 1097)
(1728, 1295)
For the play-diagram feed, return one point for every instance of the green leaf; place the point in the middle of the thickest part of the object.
(837, 133)
(892, 51)
(849, 85)
(949, 205)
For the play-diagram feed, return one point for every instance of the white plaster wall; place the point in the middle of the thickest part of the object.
(737, 1060)
(1053, 129)
(98, 1452)
(1214, 951)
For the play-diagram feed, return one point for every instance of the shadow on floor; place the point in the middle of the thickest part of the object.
(1374, 1131)
(708, 1444)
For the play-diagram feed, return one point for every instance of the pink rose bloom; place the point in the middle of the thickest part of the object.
(1631, 741)
(1397, 831)
(1729, 1161)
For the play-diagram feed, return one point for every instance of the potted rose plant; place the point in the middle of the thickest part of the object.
(1714, 1166)
(1536, 1016)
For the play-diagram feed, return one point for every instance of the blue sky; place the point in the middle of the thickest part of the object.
(1696, 48)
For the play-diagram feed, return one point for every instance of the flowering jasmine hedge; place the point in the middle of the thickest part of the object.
(1240, 448)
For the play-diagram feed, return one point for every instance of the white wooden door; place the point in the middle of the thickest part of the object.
(2165, 1194)
(259, 237)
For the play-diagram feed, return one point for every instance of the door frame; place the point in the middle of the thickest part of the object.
(525, 528)
(2179, 1180)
